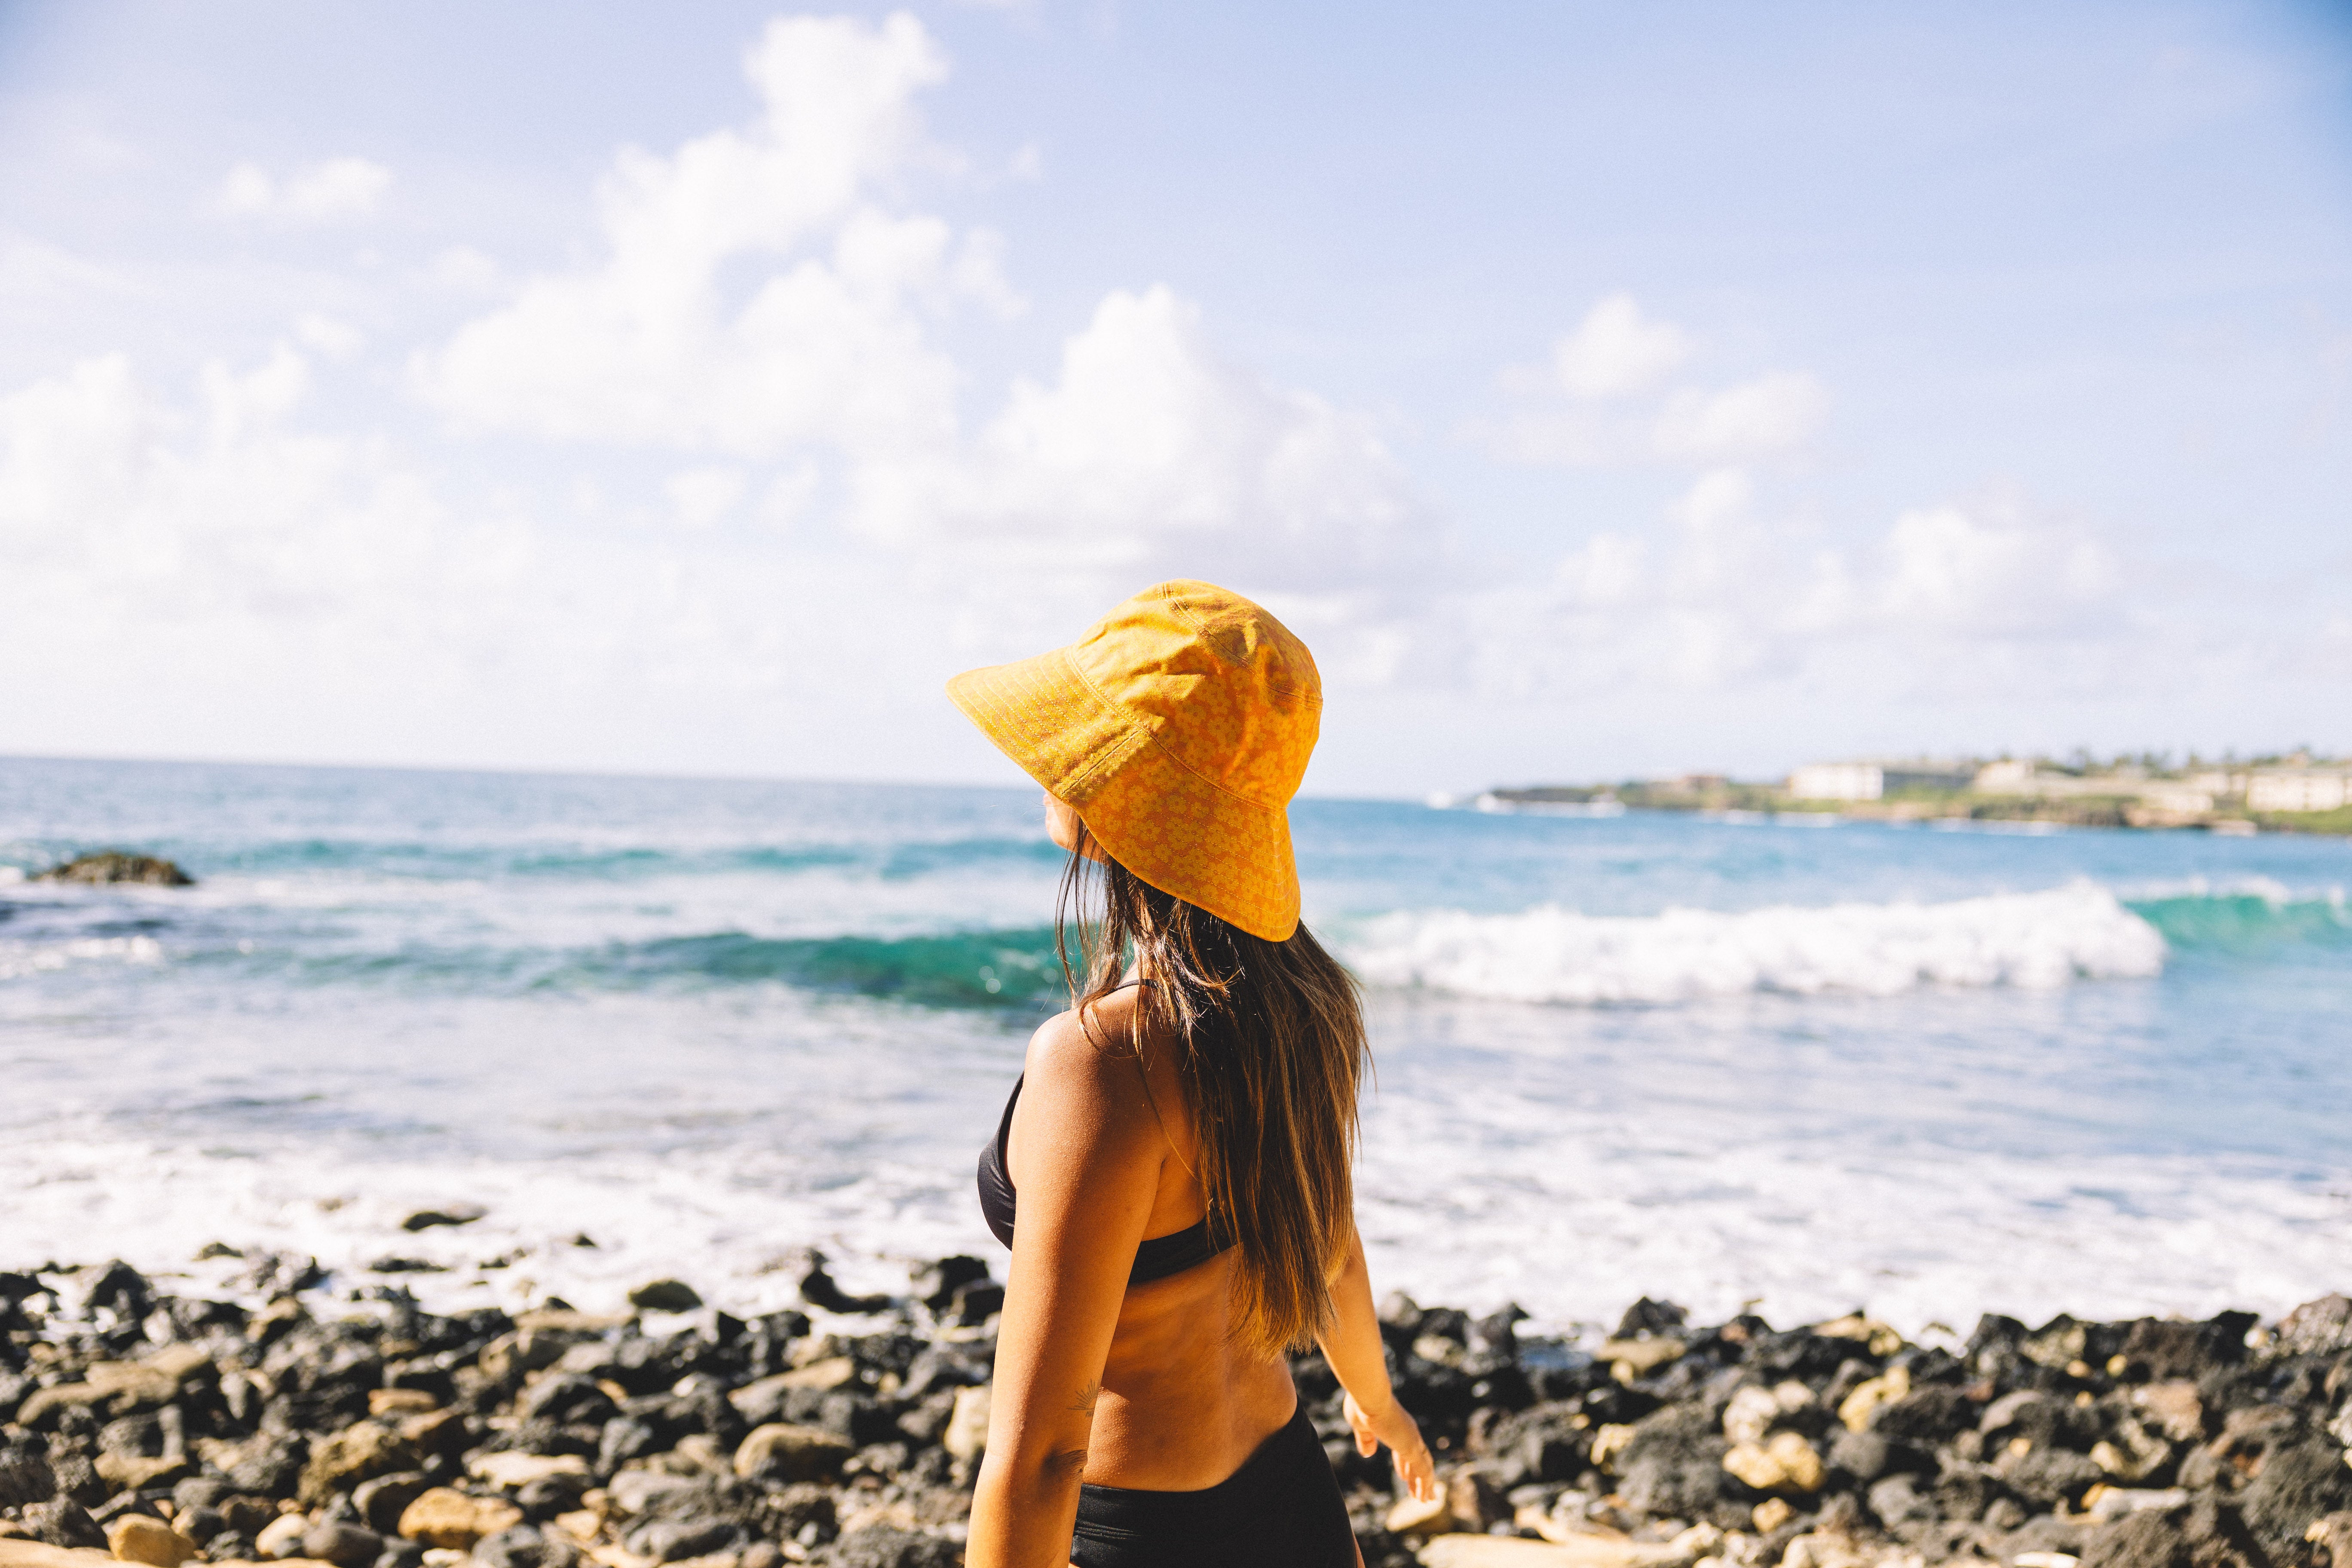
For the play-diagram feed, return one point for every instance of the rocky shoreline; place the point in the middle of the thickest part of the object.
(313, 1425)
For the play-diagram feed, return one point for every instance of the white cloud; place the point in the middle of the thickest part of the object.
(649, 346)
(337, 189)
(464, 270)
(700, 497)
(1149, 454)
(1150, 451)
(1617, 351)
(326, 336)
(1597, 402)
(1948, 597)
(1765, 418)
(134, 508)
(1954, 573)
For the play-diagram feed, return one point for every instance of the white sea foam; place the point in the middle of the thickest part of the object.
(1555, 954)
(22, 958)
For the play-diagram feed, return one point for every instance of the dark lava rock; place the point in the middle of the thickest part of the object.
(567, 1400)
(345, 1546)
(542, 1500)
(455, 1213)
(26, 1478)
(1864, 1456)
(2146, 1540)
(943, 1367)
(2156, 1349)
(1648, 1317)
(1926, 1416)
(695, 1520)
(818, 1289)
(116, 865)
(2317, 1328)
(2042, 1419)
(524, 1547)
(2296, 1485)
(1901, 1506)
(2048, 1476)
(936, 1283)
(77, 1479)
(1540, 1443)
(665, 1295)
(2218, 1537)
(380, 1502)
(880, 1546)
(61, 1521)
(1987, 1457)
(1673, 1467)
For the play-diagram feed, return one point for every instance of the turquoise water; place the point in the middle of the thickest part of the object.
(1929, 1071)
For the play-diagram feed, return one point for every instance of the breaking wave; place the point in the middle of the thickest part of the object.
(1556, 955)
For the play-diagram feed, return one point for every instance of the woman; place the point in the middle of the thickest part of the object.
(1180, 1141)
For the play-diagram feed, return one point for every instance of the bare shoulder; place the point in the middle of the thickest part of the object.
(1086, 1071)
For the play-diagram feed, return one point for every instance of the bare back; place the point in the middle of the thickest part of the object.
(1180, 1406)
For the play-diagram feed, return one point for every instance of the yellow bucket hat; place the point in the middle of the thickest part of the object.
(1178, 727)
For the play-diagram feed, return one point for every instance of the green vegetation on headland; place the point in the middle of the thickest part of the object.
(2287, 794)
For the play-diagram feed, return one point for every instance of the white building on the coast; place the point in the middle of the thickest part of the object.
(1875, 781)
(2192, 796)
(2299, 789)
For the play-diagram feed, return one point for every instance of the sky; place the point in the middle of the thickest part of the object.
(1600, 390)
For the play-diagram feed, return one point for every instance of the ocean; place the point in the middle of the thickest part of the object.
(668, 1027)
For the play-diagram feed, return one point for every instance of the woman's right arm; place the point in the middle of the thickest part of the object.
(1087, 1151)
(1352, 1346)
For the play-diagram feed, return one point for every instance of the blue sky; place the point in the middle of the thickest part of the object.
(1599, 389)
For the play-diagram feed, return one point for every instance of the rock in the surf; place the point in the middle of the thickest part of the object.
(110, 866)
(665, 1295)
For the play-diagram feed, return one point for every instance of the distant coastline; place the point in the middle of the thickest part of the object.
(2289, 794)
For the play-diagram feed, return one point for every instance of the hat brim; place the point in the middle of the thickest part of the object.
(1172, 829)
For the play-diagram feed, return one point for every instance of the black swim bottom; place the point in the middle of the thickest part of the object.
(1280, 1510)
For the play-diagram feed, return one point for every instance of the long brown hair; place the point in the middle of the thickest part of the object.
(1270, 1041)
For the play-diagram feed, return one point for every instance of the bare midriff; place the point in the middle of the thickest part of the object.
(1181, 1405)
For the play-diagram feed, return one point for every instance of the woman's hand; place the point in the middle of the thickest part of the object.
(1393, 1426)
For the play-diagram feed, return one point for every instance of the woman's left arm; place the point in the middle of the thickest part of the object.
(1089, 1151)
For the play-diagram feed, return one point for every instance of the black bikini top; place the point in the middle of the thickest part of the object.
(1156, 1258)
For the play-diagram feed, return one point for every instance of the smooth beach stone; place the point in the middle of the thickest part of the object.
(1784, 1461)
(282, 1537)
(967, 1428)
(139, 1538)
(20, 1554)
(511, 1469)
(446, 1518)
(134, 1472)
(790, 1453)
